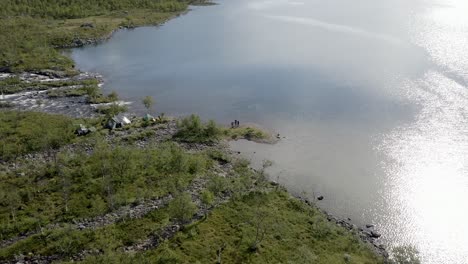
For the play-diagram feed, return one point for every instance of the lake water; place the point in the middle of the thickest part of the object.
(371, 97)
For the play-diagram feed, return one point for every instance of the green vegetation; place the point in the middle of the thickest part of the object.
(290, 232)
(251, 222)
(27, 132)
(193, 130)
(112, 110)
(44, 196)
(284, 229)
(82, 8)
(148, 102)
(15, 84)
(81, 186)
(246, 132)
(32, 29)
(182, 208)
(69, 92)
(66, 241)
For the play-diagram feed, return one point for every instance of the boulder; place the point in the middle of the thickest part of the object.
(87, 25)
(320, 198)
(375, 234)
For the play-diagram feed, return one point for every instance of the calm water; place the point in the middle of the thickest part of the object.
(371, 97)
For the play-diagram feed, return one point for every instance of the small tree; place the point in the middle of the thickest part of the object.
(148, 102)
(112, 110)
(212, 130)
(260, 226)
(207, 199)
(182, 207)
(113, 97)
(92, 91)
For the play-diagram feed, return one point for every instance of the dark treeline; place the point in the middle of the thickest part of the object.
(60, 9)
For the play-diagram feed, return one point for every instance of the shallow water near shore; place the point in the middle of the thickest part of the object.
(371, 97)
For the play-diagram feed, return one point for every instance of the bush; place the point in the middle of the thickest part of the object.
(193, 130)
(182, 208)
(217, 184)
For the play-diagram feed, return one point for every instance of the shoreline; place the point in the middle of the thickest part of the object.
(28, 101)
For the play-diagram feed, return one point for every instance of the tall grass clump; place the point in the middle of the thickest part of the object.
(193, 130)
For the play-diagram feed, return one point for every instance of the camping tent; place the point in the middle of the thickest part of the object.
(148, 117)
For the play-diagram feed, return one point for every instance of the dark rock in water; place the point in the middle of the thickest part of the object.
(78, 42)
(320, 198)
(369, 226)
(87, 25)
(375, 234)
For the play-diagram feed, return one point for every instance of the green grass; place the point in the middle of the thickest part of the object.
(32, 30)
(83, 186)
(25, 132)
(258, 225)
(193, 130)
(69, 92)
(67, 241)
(294, 233)
(246, 132)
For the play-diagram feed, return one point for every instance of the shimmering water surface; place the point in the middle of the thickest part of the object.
(371, 97)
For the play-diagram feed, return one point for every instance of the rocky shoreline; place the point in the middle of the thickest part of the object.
(367, 234)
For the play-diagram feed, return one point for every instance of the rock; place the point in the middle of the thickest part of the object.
(369, 226)
(52, 73)
(375, 234)
(78, 42)
(320, 198)
(87, 25)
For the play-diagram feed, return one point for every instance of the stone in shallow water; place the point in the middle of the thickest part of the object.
(375, 234)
